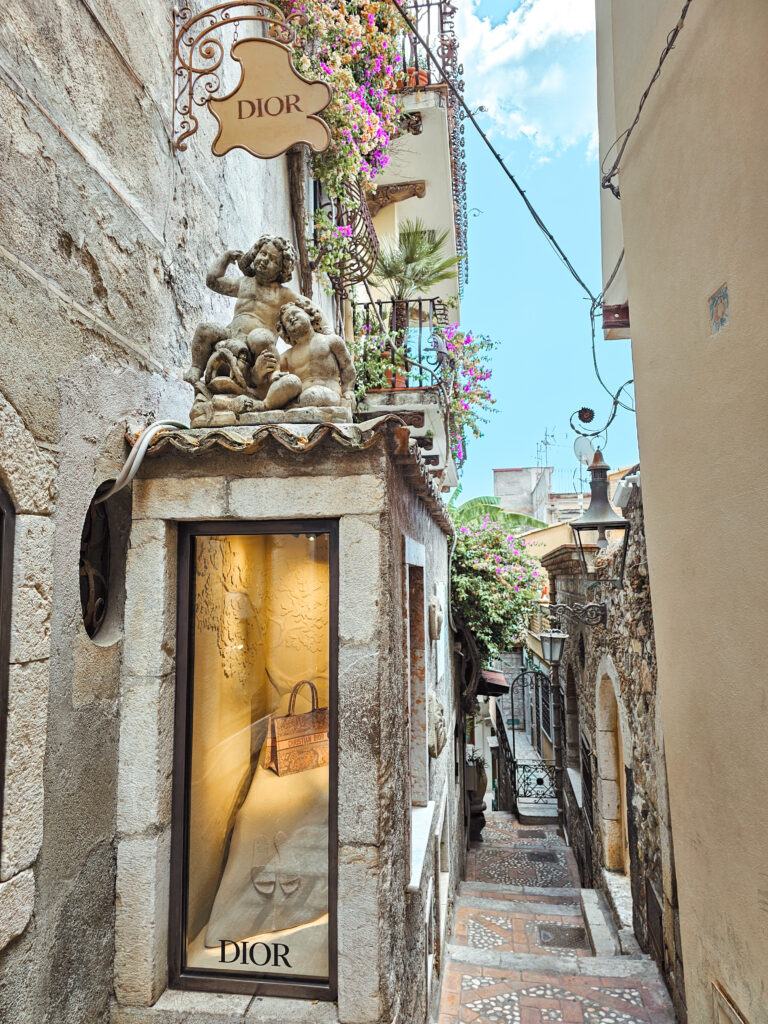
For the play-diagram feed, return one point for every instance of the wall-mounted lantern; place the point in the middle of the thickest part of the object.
(600, 517)
(552, 644)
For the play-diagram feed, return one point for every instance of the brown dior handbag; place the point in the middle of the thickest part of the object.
(296, 743)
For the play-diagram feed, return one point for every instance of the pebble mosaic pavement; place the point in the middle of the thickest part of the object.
(473, 993)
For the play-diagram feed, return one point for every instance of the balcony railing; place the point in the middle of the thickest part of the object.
(434, 22)
(351, 215)
(415, 356)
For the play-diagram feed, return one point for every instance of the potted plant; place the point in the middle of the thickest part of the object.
(478, 762)
(418, 76)
(414, 264)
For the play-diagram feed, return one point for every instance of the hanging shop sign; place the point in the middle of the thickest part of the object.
(272, 108)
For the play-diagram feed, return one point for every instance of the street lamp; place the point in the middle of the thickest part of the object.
(552, 644)
(600, 517)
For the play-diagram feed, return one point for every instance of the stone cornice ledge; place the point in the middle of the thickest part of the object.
(299, 437)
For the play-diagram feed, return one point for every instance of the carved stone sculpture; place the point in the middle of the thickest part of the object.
(321, 361)
(237, 372)
(260, 293)
(438, 732)
(395, 193)
(435, 616)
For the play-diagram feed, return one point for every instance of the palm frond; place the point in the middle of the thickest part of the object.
(414, 263)
(475, 509)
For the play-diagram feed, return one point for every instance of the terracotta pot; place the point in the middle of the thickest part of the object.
(418, 77)
(396, 379)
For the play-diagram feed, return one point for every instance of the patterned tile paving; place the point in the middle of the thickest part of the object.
(512, 866)
(505, 830)
(498, 997)
(473, 994)
(520, 932)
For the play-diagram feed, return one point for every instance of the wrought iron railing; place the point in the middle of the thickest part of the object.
(352, 218)
(414, 353)
(434, 21)
(535, 780)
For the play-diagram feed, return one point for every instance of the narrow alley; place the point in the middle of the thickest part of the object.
(530, 946)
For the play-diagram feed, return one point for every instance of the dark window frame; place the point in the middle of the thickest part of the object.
(547, 711)
(587, 782)
(179, 976)
(7, 536)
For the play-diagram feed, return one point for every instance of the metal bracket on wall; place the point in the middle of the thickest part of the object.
(590, 614)
(199, 51)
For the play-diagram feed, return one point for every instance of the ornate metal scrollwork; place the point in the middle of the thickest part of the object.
(198, 53)
(590, 614)
(94, 567)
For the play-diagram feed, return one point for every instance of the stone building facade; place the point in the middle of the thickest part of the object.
(616, 803)
(105, 233)
(398, 859)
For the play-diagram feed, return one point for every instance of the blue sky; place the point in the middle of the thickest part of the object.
(532, 64)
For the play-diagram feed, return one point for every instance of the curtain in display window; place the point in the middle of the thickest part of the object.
(257, 864)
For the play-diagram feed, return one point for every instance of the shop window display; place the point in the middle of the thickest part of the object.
(256, 876)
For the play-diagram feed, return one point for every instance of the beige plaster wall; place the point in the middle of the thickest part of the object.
(695, 215)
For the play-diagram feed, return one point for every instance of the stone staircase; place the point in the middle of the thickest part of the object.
(530, 946)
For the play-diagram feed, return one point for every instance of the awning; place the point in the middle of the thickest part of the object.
(492, 684)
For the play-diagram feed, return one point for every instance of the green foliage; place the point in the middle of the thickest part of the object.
(376, 355)
(494, 583)
(469, 399)
(475, 509)
(415, 263)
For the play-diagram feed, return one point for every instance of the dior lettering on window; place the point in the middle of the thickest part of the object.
(260, 954)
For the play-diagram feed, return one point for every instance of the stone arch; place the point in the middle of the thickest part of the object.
(571, 719)
(614, 750)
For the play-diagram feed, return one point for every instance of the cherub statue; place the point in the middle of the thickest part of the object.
(319, 359)
(260, 295)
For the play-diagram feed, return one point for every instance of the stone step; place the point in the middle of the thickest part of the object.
(532, 813)
(643, 969)
(496, 890)
(530, 906)
(599, 924)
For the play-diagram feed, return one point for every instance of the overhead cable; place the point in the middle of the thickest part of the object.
(606, 181)
(470, 114)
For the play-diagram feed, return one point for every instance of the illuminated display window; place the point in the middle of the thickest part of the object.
(253, 901)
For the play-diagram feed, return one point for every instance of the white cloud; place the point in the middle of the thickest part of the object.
(534, 71)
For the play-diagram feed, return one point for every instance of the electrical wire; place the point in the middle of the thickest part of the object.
(595, 300)
(137, 453)
(606, 181)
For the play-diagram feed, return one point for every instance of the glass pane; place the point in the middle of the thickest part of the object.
(257, 890)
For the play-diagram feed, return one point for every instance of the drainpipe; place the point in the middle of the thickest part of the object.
(557, 699)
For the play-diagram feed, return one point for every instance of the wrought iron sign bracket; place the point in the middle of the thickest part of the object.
(263, 125)
(589, 614)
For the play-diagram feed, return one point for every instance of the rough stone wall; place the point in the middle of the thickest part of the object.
(404, 953)
(105, 235)
(382, 933)
(621, 655)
